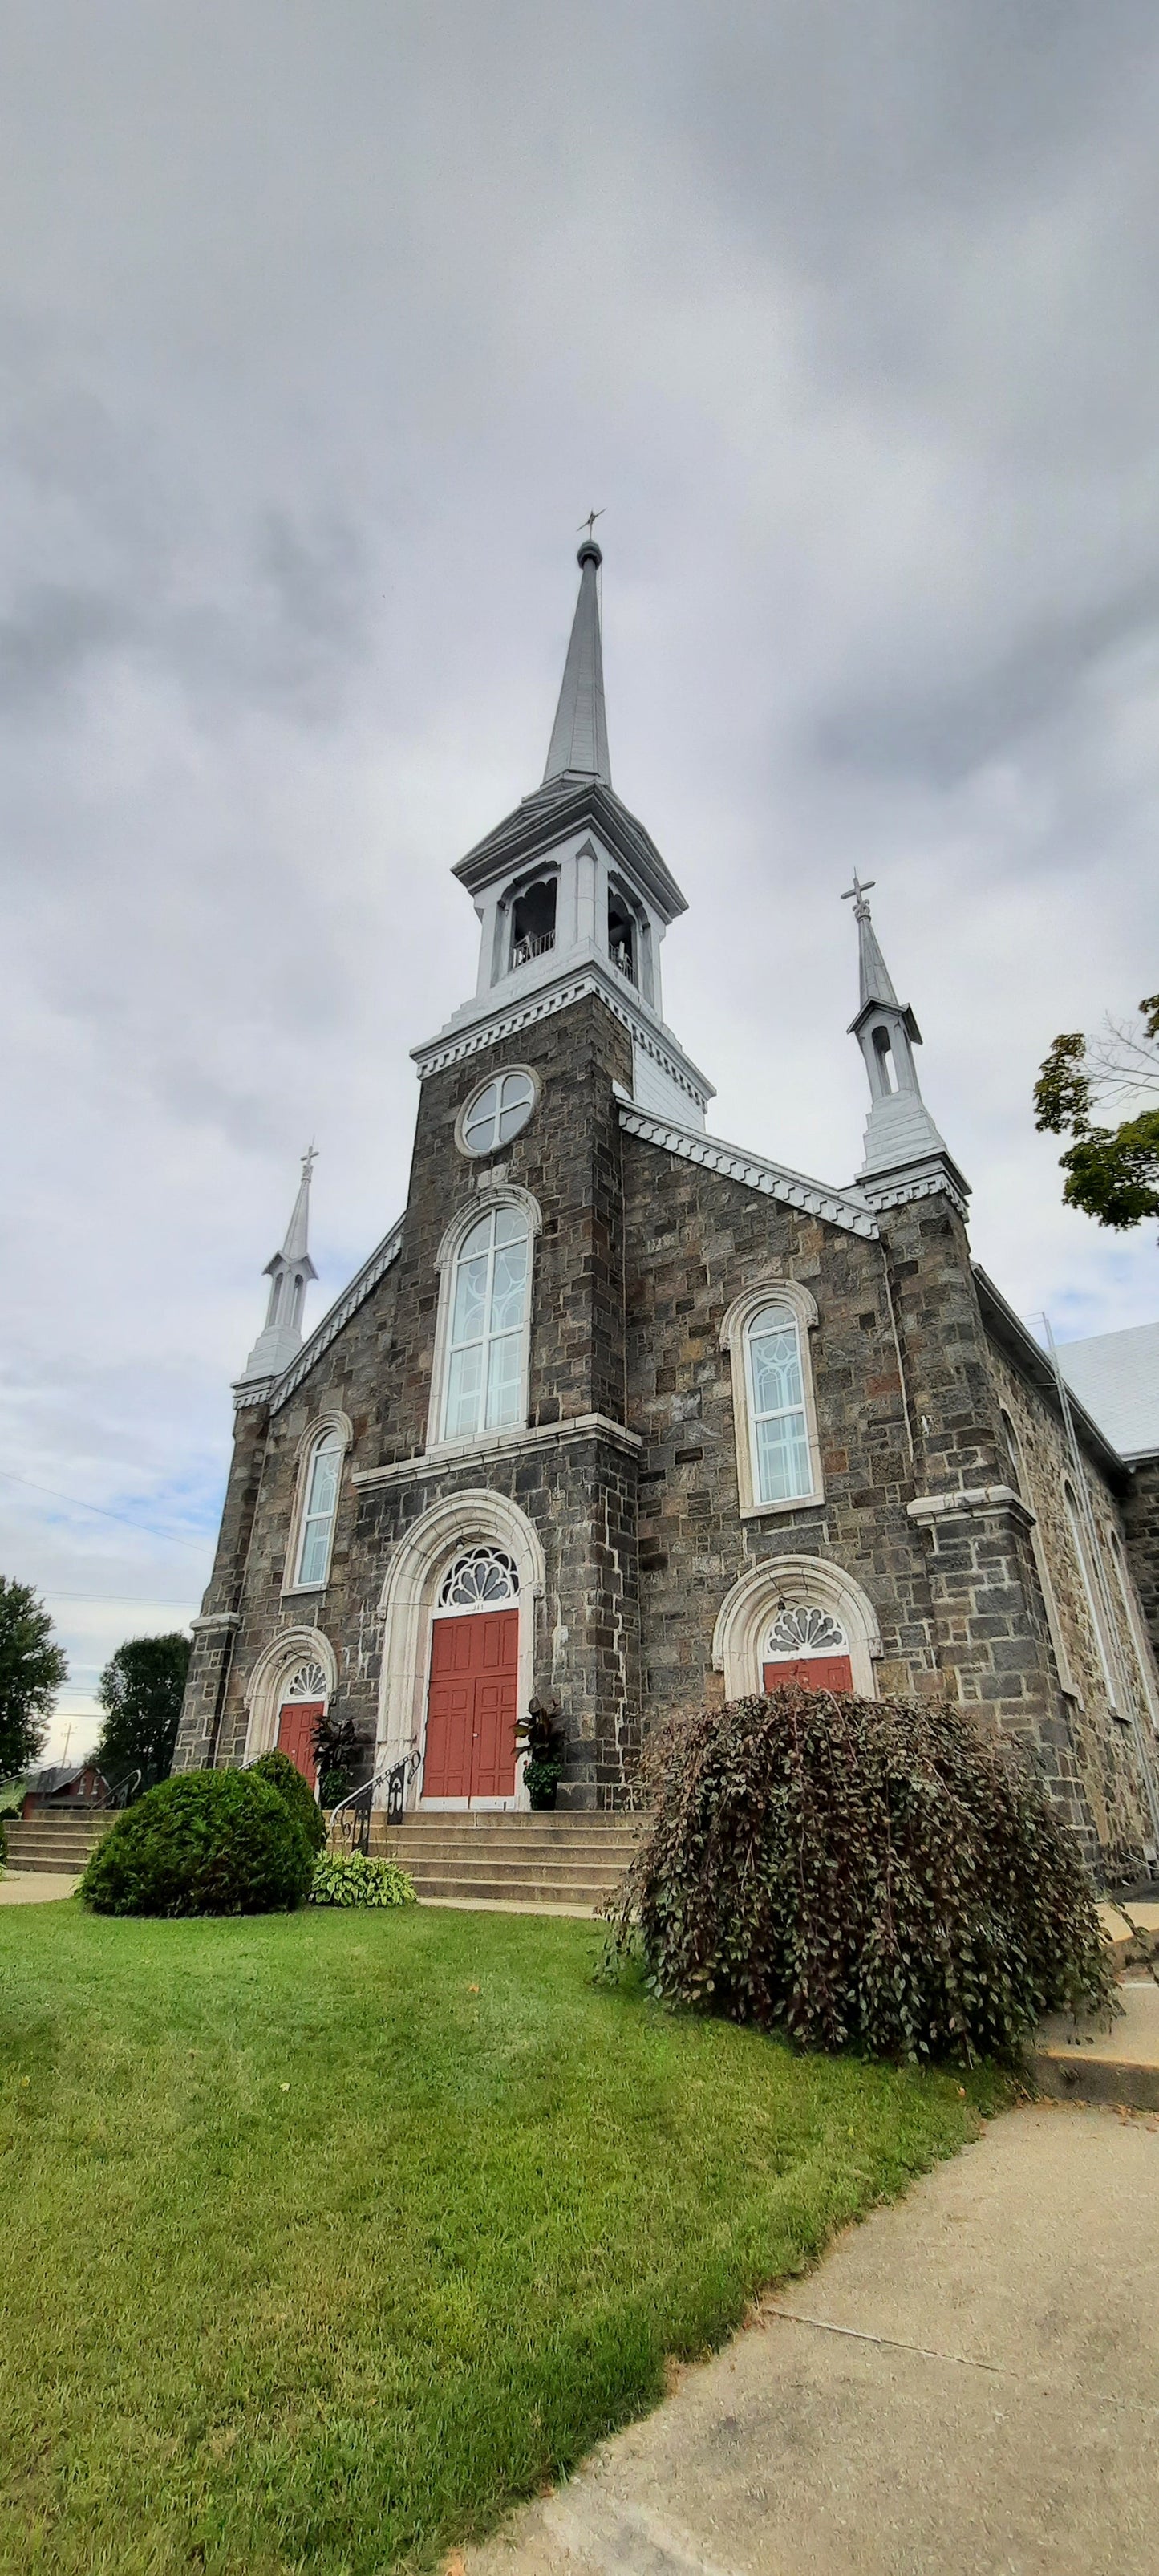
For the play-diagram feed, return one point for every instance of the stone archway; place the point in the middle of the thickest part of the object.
(292, 1657)
(409, 1598)
(754, 1604)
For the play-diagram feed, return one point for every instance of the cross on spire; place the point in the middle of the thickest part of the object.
(590, 521)
(856, 894)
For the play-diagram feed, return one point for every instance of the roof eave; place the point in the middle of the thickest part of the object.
(1033, 1363)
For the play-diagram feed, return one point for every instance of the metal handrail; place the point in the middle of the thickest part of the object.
(358, 1803)
(122, 1790)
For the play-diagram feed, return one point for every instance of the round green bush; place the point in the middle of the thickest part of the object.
(206, 1842)
(860, 1874)
(351, 1878)
(295, 1793)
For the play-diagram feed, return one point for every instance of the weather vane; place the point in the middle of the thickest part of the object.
(590, 522)
(856, 894)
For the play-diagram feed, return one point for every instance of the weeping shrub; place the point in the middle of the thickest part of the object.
(205, 1842)
(294, 1792)
(861, 1874)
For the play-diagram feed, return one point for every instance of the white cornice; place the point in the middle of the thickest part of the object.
(488, 1025)
(462, 1453)
(838, 1207)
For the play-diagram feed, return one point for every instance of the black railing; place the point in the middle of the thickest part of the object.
(123, 1791)
(350, 1819)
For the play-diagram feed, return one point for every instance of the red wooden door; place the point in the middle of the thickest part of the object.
(814, 1672)
(296, 1735)
(470, 1749)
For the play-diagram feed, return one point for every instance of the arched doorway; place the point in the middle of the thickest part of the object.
(806, 1646)
(472, 1696)
(303, 1703)
(796, 1618)
(472, 1556)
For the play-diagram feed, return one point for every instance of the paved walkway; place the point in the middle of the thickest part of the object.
(34, 1886)
(968, 2385)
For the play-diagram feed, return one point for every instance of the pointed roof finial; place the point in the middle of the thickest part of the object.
(296, 1245)
(579, 736)
(875, 978)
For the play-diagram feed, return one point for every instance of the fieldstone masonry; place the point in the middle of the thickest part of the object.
(625, 1465)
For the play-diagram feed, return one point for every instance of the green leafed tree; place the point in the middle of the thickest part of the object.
(140, 1691)
(1112, 1173)
(32, 1668)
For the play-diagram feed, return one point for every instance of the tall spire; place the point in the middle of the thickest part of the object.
(579, 736)
(905, 1157)
(289, 1274)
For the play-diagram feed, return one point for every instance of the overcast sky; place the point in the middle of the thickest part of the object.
(322, 326)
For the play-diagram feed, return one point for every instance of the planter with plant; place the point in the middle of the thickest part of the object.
(543, 1748)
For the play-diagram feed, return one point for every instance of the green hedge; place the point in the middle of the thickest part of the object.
(860, 1873)
(207, 1842)
(295, 1793)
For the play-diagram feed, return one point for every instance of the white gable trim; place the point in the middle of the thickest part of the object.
(838, 1207)
(330, 1327)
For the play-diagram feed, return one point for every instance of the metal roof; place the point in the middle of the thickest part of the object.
(1116, 1377)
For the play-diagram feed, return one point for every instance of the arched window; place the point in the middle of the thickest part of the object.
(484, 1579)
(319, 1505)
(782, 1468)
(778, 1453)
(1021, 1484)
(1136, 1631)
(486, 1354)
(1098, 1631)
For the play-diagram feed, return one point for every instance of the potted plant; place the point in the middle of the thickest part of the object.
(542, 1747)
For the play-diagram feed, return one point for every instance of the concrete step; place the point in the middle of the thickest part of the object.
(603, 1851)
(1089, 2062)
(554, 1862)
(523, 1895)
(54, 1843)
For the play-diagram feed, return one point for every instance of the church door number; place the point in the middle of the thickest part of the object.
(470, 1747)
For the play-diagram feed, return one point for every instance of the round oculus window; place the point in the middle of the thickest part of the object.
(496, 1112)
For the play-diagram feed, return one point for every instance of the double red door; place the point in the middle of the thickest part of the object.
(470, 1751)
(814, 1672)
(296, 1725)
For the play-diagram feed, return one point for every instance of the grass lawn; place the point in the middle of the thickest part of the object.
(329, 2235)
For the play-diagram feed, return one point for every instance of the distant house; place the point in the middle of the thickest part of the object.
(62, 1784)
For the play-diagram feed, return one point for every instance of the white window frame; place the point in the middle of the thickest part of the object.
(796, 1582)
(734, 1335)
(1025, 1491)
(502, 1073)
(481, 1205)
(1094, 1615)
(1137, 1636)
(325, 1426)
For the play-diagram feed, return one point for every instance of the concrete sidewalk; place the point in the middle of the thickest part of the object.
(968, 2385)
(34, 1886)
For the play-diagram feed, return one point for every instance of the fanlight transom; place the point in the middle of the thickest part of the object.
(802, 1631)
(307, 1681)
(481, 1580)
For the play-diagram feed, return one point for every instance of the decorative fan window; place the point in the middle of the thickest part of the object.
(308, 1682)
(804, 1632)
(482, 1580)
(321, 1503)
(496, 1112)
(782, 1467)
(487, 1342)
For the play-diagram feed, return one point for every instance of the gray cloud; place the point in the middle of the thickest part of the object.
(317, 339)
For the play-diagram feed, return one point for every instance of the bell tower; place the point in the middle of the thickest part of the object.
(573, 897)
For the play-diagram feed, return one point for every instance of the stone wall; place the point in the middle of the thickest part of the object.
(1141, 1532)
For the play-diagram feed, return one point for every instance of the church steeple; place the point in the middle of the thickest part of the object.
(289, 1274)
(579, 736)
(904, 1154)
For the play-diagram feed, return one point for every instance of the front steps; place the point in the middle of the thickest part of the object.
(56, 1842)
(565, 1862)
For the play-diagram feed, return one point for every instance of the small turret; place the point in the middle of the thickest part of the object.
(905, 1156)
(289, 1274)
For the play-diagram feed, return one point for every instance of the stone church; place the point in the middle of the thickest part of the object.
(624, 1418)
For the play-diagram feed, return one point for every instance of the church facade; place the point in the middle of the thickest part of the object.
(624, 1418)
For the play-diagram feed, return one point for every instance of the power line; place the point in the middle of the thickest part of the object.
(127, 1600)
(170, 1537)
